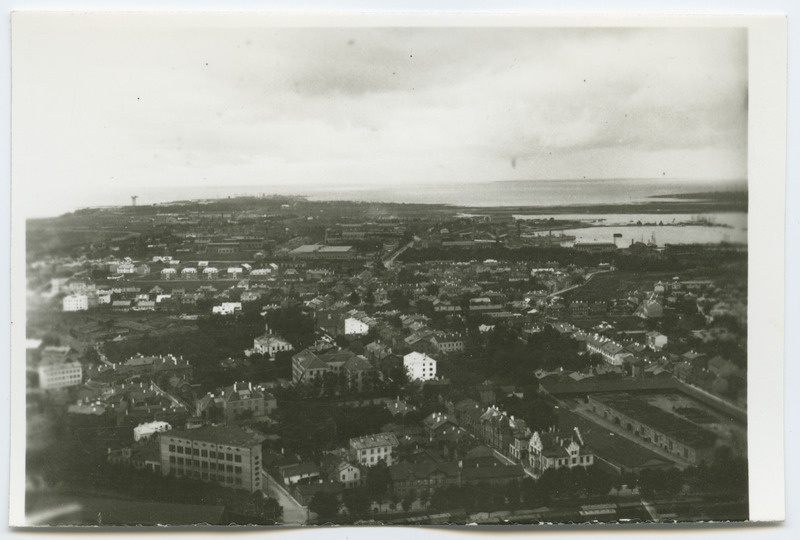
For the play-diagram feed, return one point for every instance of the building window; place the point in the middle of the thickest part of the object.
(204, 453)
(172, 459)
(237, 470)
(213, 454)
(238, 458)
(229, 457)
(172, 448)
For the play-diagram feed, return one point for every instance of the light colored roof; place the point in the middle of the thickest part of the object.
(373, 441)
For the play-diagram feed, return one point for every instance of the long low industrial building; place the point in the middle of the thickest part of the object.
(656, 426)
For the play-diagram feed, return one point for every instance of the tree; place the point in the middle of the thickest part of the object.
(597, 482)
(325, 505)
(357, 502)
(369, 298)
(408, 500)
(354, 299)
(378, 480)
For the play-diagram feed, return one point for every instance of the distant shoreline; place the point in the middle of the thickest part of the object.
(682, 203)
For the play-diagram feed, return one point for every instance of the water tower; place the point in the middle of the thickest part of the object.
(133, 199)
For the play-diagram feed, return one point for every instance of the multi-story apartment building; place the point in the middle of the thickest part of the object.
(226, 455)
(57, 370)
(75, 302)
(419, 366)
(370, 449)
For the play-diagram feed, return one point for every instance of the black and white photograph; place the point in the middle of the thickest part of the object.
(316, 270)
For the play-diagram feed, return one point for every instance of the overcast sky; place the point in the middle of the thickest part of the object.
(133, 102)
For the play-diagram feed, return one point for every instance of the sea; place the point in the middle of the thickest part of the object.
(487, 194)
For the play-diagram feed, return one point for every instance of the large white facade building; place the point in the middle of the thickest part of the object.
(57, 374)
(75, 302)
(419, 366)
(354, 327)
(143, 431)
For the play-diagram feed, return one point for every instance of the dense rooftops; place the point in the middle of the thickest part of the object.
(227, 435)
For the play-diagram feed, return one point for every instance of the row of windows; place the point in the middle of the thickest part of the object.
(206, 465)
(216, 478)
(205, 453)
(380, 450)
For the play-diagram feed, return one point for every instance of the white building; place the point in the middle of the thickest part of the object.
(144, 431)
(210, 272)
(189, 273)
(126, 268)
(354, 327)
(656, 340)
(419, 366)
(235, 271)
(270, 344)
(227, 308)
(75, 302)
(168, 273)
(60, 374)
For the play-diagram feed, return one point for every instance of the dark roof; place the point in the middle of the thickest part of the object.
(658, 419)
(563, 384)
(423, 470)
(609, 447)
(357, 363)
(299, 468)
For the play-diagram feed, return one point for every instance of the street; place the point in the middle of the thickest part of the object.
(293, 512)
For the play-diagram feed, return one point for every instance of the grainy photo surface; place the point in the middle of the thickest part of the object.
(310, 275)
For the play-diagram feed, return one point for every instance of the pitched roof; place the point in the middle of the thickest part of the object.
(373, 441)
(357, 363)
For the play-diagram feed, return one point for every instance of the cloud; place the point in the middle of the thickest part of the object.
(165, 104)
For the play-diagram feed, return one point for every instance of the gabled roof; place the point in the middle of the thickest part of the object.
(357, 363)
